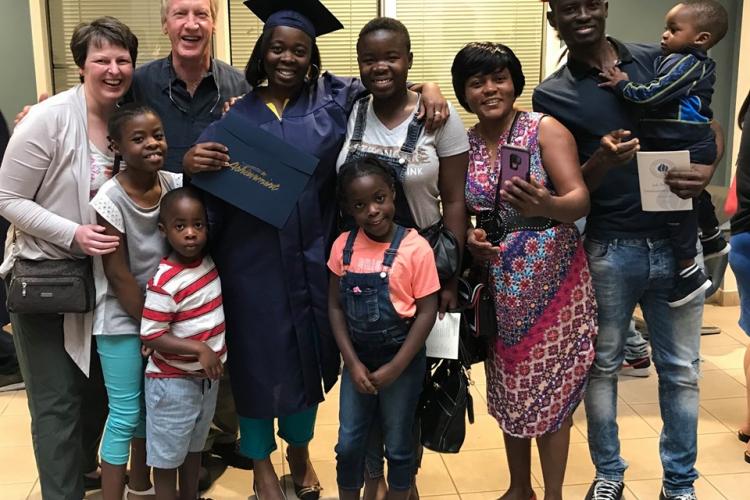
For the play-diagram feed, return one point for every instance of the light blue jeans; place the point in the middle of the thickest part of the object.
(122, 367)
(626, 273)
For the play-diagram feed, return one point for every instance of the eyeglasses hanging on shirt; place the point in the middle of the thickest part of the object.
(183, 108)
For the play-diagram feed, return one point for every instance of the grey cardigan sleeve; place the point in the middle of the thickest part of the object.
(31, 153)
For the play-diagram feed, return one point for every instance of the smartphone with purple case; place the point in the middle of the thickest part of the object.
(514, 162)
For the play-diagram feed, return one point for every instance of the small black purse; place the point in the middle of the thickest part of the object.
(478, 303)
(478, 326)
(445, 247)
(51, 286)
(443, 407)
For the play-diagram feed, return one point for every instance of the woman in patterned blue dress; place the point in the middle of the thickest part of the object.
(544, 302)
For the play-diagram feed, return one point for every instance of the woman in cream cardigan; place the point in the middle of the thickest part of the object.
(56, 159)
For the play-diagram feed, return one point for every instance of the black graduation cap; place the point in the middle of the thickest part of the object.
(310, 16)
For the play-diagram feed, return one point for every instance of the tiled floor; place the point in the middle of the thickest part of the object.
(480, 472)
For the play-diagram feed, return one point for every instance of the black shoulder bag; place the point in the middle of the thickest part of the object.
(51, 286)
(445, 404)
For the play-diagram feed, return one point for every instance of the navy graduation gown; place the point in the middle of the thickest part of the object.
(275, 282)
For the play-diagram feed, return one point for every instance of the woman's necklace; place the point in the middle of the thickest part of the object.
(491, 134)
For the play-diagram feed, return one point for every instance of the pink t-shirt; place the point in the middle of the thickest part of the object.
(413, 275)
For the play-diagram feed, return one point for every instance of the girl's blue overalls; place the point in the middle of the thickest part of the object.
(377, 333)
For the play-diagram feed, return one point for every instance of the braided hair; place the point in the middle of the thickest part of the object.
(362, 167)
(119, 118)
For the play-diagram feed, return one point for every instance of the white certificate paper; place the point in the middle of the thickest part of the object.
(443, 339)
(652, 168)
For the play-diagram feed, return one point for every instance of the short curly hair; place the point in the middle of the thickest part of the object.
(168, 202)
(385, 24)
(710, 16)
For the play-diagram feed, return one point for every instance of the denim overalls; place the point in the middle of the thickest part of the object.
(397, 164)
(377, 332)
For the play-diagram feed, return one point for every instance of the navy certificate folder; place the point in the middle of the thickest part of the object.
(266, 175)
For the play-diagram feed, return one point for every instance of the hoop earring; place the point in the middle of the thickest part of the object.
(314, 69)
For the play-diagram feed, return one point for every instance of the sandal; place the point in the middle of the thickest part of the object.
(257, 497)
(747, 456)
(743, 437)
(311, 492)
(150, 491)
(307, 492)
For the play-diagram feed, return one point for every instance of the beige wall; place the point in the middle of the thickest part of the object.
(40, 43)
(17, 77)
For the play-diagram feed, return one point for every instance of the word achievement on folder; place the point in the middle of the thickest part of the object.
(266, 175)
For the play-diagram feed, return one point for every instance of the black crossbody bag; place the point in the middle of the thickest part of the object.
(51, 286)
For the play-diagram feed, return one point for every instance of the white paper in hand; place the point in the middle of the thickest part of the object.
(443, 339)
(652, 168)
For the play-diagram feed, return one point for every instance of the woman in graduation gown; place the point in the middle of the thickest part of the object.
(274, 280)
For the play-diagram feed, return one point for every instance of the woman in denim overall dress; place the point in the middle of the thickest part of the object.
(382, 305)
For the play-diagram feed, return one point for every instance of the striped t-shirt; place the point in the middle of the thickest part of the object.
(185, 301)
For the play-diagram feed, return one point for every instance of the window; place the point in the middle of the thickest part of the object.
(142, 16)
(439, 29)
(338, 51)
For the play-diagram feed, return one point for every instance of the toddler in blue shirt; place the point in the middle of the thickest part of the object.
(677, 116)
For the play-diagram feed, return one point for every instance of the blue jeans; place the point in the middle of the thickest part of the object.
(626, 273)
(739, 259)
(395, 408)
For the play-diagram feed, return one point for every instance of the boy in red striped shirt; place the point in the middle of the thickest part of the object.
(183, 322)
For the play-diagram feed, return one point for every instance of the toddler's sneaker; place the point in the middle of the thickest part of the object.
(714, 246)
(689, 283)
